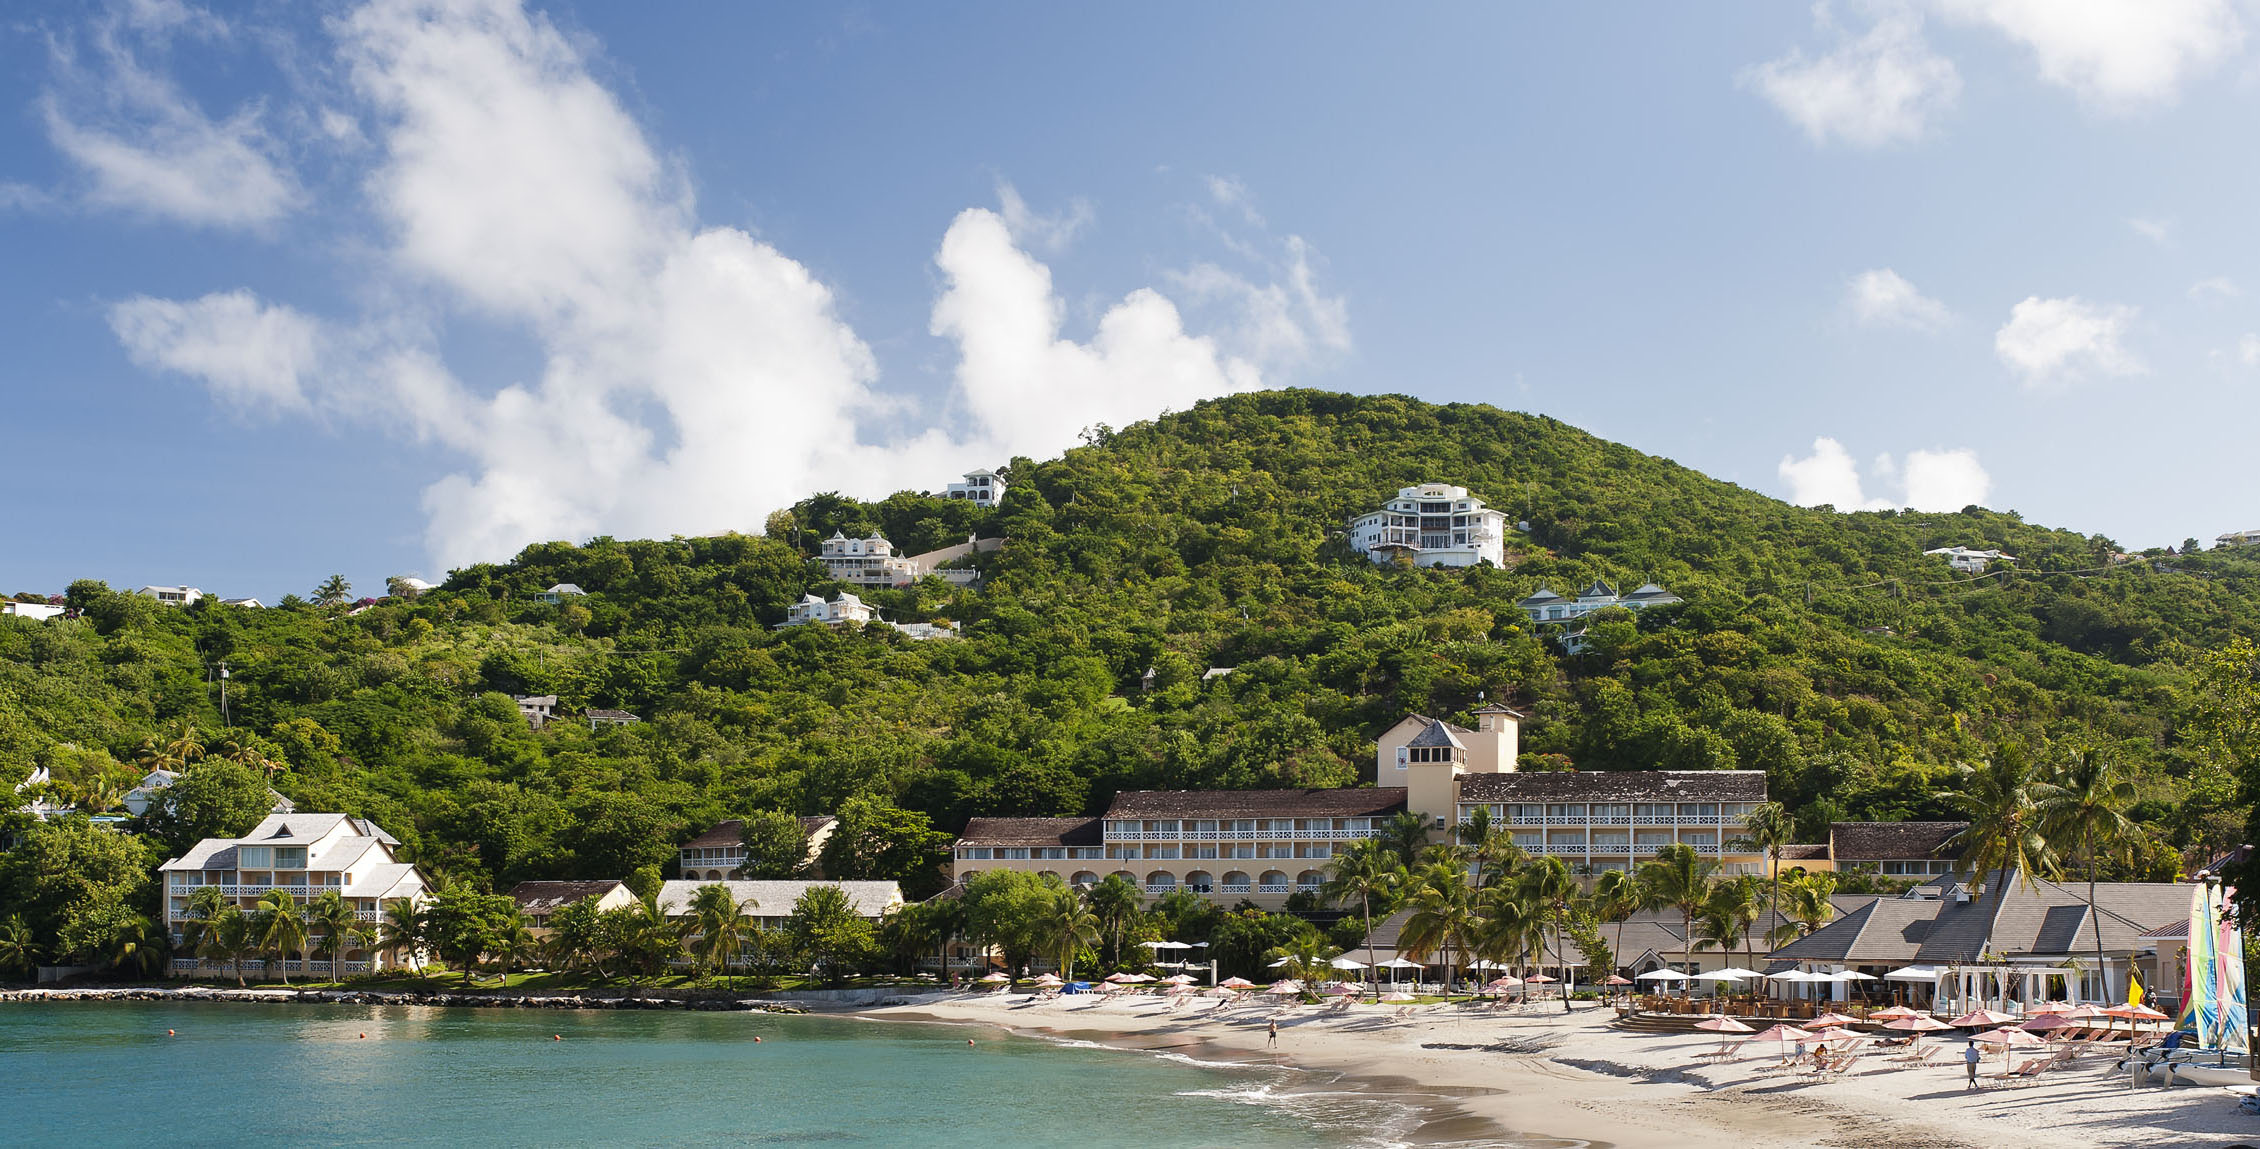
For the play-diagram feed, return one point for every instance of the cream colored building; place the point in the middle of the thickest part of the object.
(305, 856)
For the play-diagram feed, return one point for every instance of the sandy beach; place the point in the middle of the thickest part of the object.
(1540, 1073)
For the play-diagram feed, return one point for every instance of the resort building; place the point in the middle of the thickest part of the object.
(536, 709)
(1614, 820)
(1970, 561)
(770, 903)
(1547, 608)
(36, 611)
(2238, 539)
(244, 603)
(602, 718)
(560, 593)
(1432, 525)
(1895, 849)
(868, 561)
(144, 794)
(981, 488)
(305, 856)
(717, 854)
(173, 595)
(538, 900)
(812, 610)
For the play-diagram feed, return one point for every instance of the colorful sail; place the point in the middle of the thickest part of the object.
(2200, 1009)
(2228, 973)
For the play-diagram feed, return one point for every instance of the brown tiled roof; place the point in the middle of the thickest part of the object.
(815, 822)
(1804, 853)
(548, 897)
(1898, 841)
(728, 833)
(1031, 832)
(1343, 803)
(1616, 786)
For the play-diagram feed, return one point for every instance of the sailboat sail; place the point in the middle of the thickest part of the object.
(2201, 1008)
(2228, 974)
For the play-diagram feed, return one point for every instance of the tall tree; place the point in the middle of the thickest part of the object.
(2006, 830)
(282, 931)
(1490, 844)
(401, 931)
(1768, 829)
(1617, 895)
(1443, 918)
(825, 930)
(2085, 802)
(1364, 871)
(1547, 885)
(215, 799)
(339, 925)
(1405, 833)
(1068, 925)
(334, 591)
(1806, 906)
(775, 845)
(1115, 899)
(1680, 877)
(722, 926)
(18, 952)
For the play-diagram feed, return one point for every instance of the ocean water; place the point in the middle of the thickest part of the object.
(89, 1073)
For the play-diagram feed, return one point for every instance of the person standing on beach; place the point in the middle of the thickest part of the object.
(1970, 1062)
(1272, 1041)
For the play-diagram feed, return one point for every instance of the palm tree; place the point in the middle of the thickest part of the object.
(1547, 885)
(333, 591)
(1306, 959)
(1115, 900)
(1067, 926)
(1767, 830)
(1680, 878)
(1506, 922)
(514, 942)
(1730, 914)
(101, 795)
(2086, 801)
(1443, 917)
(205, 905)
(2005, 830)
(1807, 907)
(1363, 871)
(401, 930)
(1616, 896)
(1489, 843)
(281, 930)
(138, 945)
(233, 935)
(340, 926)
(186, 746)
(722, 925)
(16, 950)
(648, 939)
(1405, 833)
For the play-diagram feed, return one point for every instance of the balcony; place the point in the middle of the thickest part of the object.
(1236, 887)
(1275, 888)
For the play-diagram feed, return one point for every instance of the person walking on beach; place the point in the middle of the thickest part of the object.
(1272, 1041)
(1970, 1062)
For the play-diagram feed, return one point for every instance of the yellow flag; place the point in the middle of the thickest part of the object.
(2134, 985)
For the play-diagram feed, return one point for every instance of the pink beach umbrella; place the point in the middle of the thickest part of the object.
(1783, 1034)
(996, 979)
(1396, 998)
(1826, 1020)
(1615, 979)
(1179, 979)
(1236, 983)
(2008, 1038)
(1918, 1025)
(1722, 1026)
(1540, 979)
(1893, 1013)
(1338, 988)
(2047, 1021)
(1978, 1017)
(1290, 985)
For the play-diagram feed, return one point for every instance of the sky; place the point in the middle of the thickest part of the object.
(394, 287)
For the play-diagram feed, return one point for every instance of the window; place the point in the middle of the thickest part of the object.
(1526, 814)
(1014, 853)
(254, 857)
(1565, 811)
(1431, 753)
(1168, 851)
(978, 853)
(290, 857)
(1200, 851)
(1703, 810)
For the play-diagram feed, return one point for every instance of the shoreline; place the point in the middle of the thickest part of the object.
(1554, 1078)
(278, 995)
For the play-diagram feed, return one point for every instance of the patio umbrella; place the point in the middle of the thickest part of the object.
(1722, 1026)
(1662, 975)
(1290, 985)
(1732, 973)
(2008, 1038)
(1281, 962)
(2047, 1021)
(1894, 1013)
(1400, 963)
(1395, 998)
(1048, 979)
(1978, 1017)
(1783, 1034)
(1829, 1019)
(1337, 989)
(1918, 1025)
(1179, 979)
(996, 979)
(1615, 979)
(1217, 991)
(1502, 983)
(1539, 979)
(1851, 975)
(1347, 963)
(1120, 978)
(1236, 983)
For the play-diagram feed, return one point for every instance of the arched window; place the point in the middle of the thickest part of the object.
(1236, 882)
(1085, 878)
(1161, 879)
(1309, 878)
(1274, 878)
(1125, 875)
(1201, 882)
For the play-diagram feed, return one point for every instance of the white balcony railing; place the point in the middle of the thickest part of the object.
(1236, 887)
(1274, 888)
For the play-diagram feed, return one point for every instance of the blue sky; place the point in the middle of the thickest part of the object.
(390, 287)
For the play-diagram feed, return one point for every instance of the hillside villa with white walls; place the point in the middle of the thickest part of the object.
(847, 610)
(36, 611)
(306, 856)
(1547, 608)
(2249, 538)
(1970, 561)
(981, 488)
(144, 794)
(173, 595)
(1265, 845)
(1432, 525)
(560, 593)
(868, 561)
(718, 854)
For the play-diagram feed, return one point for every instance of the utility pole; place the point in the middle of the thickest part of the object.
(224, 720)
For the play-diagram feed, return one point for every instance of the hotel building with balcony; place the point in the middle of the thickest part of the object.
(306, 856)
(1432, 525)
(1265, 845)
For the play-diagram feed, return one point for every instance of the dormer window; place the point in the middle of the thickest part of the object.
(1430, 753)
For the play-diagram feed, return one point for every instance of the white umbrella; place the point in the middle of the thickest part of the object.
(1662, 975)
(1913, 973)
(1733, 973)
(1280, 962)
(1166, 945)
(1290, 985)
(1346, 963)
(1791, 975)
(1400, 963)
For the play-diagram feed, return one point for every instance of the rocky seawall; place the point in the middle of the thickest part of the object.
(275, 995)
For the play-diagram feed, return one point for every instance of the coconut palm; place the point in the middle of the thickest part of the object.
(1364, 870)
(722, 926)
(205, 905)
(1488, 842)
(1306, 959)
(339, 925)
(401, 930)
(1507, 924)
(233, 935)
(101, 795)
(1767, 830)
(1405, 833)
(1115, 900)
(137, 946)
(282, 931)
(1066, 926)
(2085, 802)
(515, 945)
(1805, 906)
(1730, 915)
(1616, 896)
(1680, 878)
(1443, 917)
(1547, 885)
(2006, 831)
(17, 952)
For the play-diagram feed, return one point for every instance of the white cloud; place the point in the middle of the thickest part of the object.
(1943, 480)
(2061, 340)
(1284, 322)
(691, 379)
(1884, 87)
(1048, 232)
(2117, 54)
(251, 354)
(1882, 297)
(2217, 287)
(2158, 231)
(1229, 192)
(145, 146)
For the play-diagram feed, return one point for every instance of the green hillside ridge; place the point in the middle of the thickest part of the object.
(1823, 648)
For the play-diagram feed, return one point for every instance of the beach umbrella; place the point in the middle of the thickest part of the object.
(1783, 1034)
(2048, 1021)
(996, 979)
(1502, 983)
(1179, 979)
(1662, 975)
(1615, 979)
(1539, 979)
(2008, 1038)
(1732, 973)
(1346, 963)
(1339, 988)
(1179, 991)
(1722, 1026)
(1828, 1019)
(1119, 978)
(1048, 979)
(1918, 1025)
(1851, 975)
(1395, 997)
(1978, 1017)
(1217, 991)
(1894, 1013)
(1236, 983)
(1281, 962)
(1400, 963)
(1290, 985)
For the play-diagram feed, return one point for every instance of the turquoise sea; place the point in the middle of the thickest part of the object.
(91, 1073)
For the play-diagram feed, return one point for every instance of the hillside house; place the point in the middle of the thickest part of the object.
(1968, 560)
(814, 611)
(305, 856)
(538, 900)
(869, 561)
(144, 795)
(1432, 525)
(245, 603)
(981, 488)
(536, 709)
(36, 611)
(173, 595)
(560, 593)
(601, 718)
(1895, 849)
(2249, 538)
(1547, 608)
(719, 853)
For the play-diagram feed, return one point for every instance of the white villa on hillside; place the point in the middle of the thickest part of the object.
(770, 903)
(812, 610)
(2238, 539)
(1547, 608)
(981, 488)
(306, 856)
(39, 611)
(560, 593)
(1432, 525)
(1970, 561)
(173, 595)
(144, 795)
(870, 561)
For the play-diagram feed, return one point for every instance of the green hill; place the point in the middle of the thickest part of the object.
(1820, 647)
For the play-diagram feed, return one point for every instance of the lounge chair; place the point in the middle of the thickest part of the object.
(1919, 1057)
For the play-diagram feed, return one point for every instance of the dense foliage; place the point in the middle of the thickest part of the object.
(1823, 648)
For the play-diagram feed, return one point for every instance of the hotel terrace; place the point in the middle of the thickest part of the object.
(1264, 845)
(306, 856)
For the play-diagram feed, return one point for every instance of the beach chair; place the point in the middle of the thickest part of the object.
(1918, 1057)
